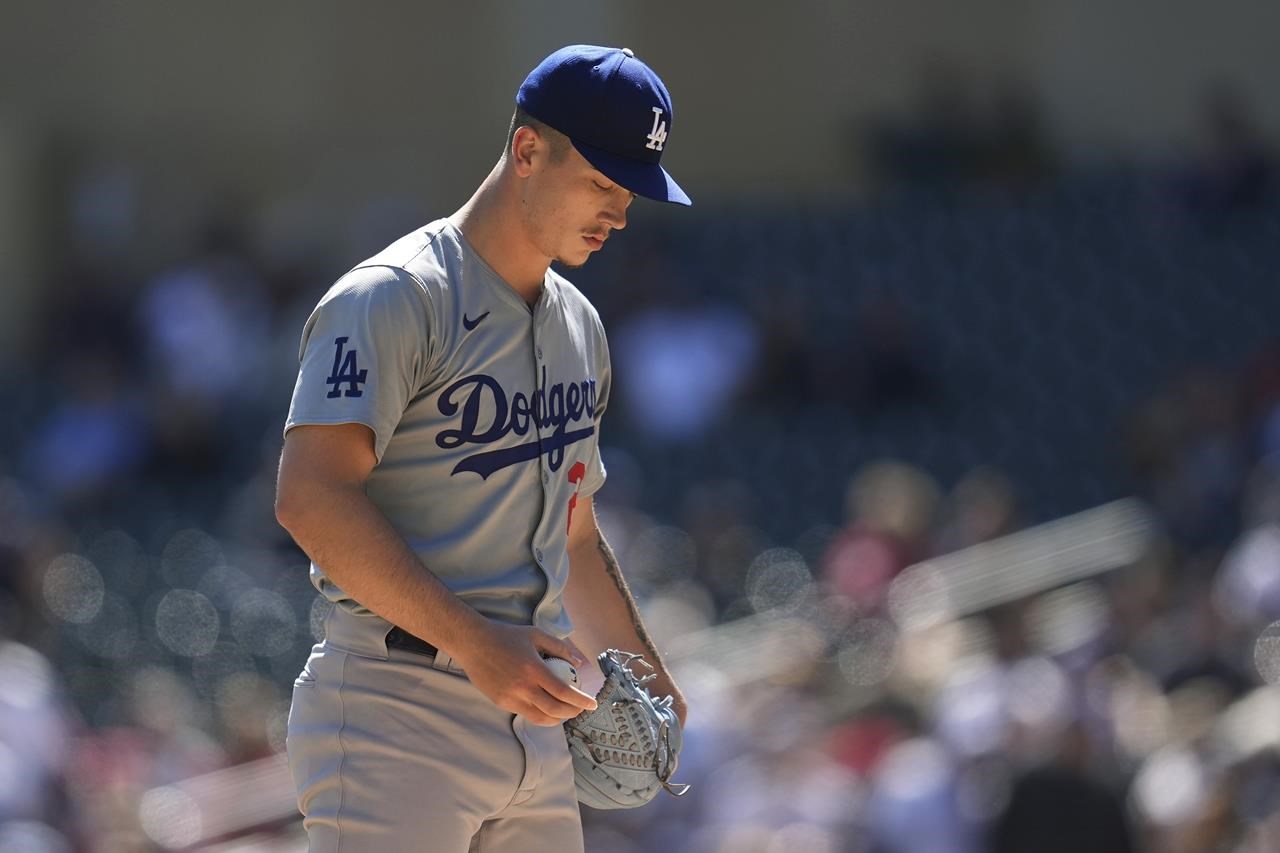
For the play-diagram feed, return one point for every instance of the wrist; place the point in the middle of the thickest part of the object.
(462, 631)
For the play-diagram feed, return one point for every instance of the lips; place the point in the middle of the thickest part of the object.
(593, 240)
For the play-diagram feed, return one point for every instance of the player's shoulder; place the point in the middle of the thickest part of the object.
(375, 291)
(422, 252)
(418, 263)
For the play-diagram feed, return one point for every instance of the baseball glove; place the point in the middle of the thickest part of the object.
(629, 746)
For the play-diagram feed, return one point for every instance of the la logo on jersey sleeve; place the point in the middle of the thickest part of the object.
(346, 371)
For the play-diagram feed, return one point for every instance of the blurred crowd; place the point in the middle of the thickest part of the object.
(809, 401)
(1135, 710)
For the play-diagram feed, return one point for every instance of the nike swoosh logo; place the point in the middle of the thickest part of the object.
(471, 324)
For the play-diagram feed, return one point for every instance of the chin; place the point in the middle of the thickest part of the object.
(573, 263)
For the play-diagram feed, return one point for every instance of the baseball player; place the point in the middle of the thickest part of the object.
(440, 458)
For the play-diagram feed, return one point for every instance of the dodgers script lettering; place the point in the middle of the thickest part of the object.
(549, 413)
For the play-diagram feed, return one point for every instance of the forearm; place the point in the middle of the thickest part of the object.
(342, 531)
(605, 614)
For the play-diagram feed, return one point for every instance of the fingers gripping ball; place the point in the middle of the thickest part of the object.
(627, 749)
(567, 672)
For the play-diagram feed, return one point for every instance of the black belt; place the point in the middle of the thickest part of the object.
(398, 638)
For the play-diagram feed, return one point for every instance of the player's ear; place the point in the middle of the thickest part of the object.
(527, 148)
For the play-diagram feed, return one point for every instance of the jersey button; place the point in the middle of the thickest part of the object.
(537, 554)
(546, 478)
(539, 351)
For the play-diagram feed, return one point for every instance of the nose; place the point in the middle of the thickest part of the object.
(615, 213)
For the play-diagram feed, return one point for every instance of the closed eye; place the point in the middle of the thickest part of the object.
(611, 187)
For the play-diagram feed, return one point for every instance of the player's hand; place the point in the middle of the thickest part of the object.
(505, 663)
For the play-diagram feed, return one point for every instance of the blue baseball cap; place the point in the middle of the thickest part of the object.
(614, 110)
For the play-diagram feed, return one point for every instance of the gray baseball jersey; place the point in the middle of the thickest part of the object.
(486, 415)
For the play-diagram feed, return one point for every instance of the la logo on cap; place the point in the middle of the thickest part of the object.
(658, 135)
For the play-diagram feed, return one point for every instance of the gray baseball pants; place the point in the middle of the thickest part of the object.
(395, 751)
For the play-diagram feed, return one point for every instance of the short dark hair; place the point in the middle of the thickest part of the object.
(558, 142)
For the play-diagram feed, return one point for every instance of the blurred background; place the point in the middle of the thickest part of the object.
(943, 452)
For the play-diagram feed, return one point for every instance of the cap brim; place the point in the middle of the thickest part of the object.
(647, 179)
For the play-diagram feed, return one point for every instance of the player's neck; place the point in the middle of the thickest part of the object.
(490, 222)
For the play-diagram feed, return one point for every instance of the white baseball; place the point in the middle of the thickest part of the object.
(567, 672)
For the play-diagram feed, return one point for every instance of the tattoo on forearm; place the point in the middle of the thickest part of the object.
(615, 572)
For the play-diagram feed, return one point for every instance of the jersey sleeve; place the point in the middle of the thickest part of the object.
(364, 353)
(595, 474)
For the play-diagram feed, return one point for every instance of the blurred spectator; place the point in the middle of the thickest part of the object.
(23, 539)
(1232, 171)
(1248, 581)
(718, 516)
(680, 364)
(742, 804)
(787, 374)
(206, 327)
(889, 512)
(1185, 446)
(94, 437)
(888, 365)
(89, 314)
(939, 144)
(35, 738)
(1205, 656)
(1058, 807)
(981, 506)
(953, 140)
(914, 804)
(1015, 152)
